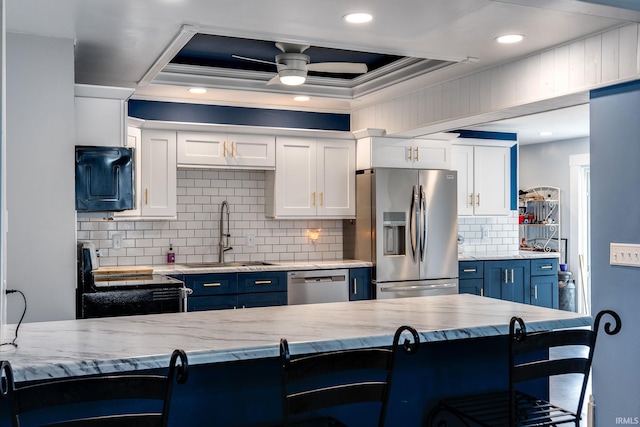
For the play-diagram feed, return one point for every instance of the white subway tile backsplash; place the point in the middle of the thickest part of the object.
(194, 235)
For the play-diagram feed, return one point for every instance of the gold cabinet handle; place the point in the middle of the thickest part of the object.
(417, 153)
(478, 199)
(212, 285)
(262, 282)
(410, 154)
(321, 198)
(233, 154)
(224, 148)
(471, 199)
(146, 196)
(355, 286)
(313, 198)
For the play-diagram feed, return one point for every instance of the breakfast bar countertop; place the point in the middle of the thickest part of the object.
(91, 346)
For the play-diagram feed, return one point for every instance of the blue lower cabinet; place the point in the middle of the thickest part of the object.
(216, 302)
(359, 284)
(532, 281)
(262, 299)
(471, 286)
(219, 291)
(508, 280)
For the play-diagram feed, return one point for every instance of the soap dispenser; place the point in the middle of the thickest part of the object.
(171, 256)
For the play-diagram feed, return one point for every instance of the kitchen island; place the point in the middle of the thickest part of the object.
(233, 353)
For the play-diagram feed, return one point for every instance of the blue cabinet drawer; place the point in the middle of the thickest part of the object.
(544, 266)
(267, 281)
(470, 269)
(212, 284)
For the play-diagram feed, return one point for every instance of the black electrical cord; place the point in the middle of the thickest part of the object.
(13, 343)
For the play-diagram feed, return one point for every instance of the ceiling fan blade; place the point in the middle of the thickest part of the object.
(274, 81)
(338, 67)
(253, 59)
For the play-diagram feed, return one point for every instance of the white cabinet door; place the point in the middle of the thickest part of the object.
(158, 174)
(251, 151)
(391, 153)
(336, 178)
(242, 151)
(431, 154)
(202, 149)
(491, 180)
(407, 153)
(295, 177)
(462, 161)
(484, 180)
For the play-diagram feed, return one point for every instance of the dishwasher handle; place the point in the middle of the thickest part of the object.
(318, 279)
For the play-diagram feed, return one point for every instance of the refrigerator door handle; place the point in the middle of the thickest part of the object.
(413, 225)
(423, 225)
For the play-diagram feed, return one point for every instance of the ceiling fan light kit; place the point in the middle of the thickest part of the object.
(292, 65)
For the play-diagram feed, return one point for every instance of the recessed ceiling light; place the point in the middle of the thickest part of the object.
(198, 90)
(301, 98)
(510, 38)
(358, 17)
(545, 133)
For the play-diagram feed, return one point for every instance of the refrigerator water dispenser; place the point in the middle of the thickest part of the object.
(394, 224)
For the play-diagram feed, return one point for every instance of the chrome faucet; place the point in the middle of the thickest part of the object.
(223, 244)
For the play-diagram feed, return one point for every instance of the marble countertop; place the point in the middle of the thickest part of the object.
(90, 346)
(487, 256)
(275, 266)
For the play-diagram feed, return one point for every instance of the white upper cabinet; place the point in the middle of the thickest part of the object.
(134, 140)
(483, 179)
(403, 153)
(244, 151)
(313, 178)
(101, 114)
(158, 174)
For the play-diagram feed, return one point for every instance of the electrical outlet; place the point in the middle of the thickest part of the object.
(627, 254)
(117, 241)
(251, 240)
(485, 233)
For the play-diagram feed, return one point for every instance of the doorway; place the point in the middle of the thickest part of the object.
(580, 253)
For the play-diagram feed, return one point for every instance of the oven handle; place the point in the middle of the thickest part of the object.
(417, 287)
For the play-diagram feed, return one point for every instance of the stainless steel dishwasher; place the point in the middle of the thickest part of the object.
(311, 287)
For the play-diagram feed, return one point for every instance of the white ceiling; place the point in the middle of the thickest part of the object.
(118, 41)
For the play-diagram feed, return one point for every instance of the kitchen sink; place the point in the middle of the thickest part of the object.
(225, 264)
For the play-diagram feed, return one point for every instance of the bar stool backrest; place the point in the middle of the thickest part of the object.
(53, 397)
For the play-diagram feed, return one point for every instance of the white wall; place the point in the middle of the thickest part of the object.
(40, 177)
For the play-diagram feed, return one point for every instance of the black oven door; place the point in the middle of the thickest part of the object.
(130, 302)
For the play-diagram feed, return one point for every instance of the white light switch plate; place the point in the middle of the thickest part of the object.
(627, 254)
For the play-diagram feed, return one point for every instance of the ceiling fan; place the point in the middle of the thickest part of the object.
(292, 65)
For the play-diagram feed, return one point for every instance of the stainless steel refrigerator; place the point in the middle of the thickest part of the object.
(407, 225)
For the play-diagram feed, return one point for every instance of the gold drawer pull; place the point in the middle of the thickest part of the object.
(212, 285)
(262, 282)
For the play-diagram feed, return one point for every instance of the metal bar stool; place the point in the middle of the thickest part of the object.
(319, 381)
(48, 396)
(513, 407)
